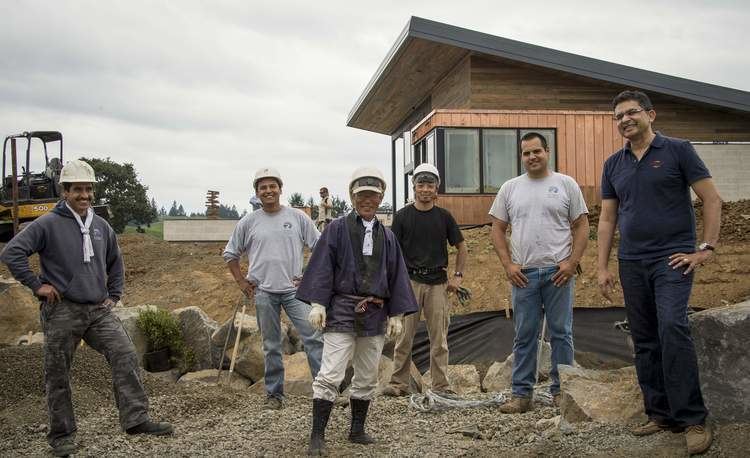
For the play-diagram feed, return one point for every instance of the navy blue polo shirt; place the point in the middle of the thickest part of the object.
(655, 212)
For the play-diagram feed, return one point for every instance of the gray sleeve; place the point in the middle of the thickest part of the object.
(236, 244)
(115, 267)
(577, 202)
(310, 233)
(499, 207)
(16, 255)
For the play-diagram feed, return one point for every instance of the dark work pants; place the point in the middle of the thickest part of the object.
(64, 325)
(656, 300)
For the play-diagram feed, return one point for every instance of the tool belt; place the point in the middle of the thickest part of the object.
(425, 270)
(362, 302)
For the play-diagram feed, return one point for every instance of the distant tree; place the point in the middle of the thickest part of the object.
(162, 211)
(154, 208)
(117, 185)
(226, 212)
(296, 200)
(173, 209)
(340, 206)
(313, 208)
(181, 211)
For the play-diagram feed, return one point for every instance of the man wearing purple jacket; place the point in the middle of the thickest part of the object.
(358, 285)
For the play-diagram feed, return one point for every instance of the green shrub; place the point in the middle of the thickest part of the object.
(162, 330)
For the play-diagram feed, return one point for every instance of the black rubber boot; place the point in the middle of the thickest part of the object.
(357, 432)
(321, 414)
(151, 427)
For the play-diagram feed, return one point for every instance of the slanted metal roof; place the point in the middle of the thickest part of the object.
(426, 50)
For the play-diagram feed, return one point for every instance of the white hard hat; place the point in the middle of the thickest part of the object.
(77, 171)
(267, 172)
(426, 168)
(367, 179)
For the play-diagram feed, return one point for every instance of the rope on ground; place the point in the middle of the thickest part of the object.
(433, 402)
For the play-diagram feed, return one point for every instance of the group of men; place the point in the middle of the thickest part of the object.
(365, 283)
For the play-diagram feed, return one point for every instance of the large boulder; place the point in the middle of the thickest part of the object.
(128, 316)
(31, 339)
(249, 361)
(297, 377)
(385, 372)
(249, 327)
(464, 379)
(499, 376)
(19, 311)
(197, 329)
(720, 336)
(610, 396)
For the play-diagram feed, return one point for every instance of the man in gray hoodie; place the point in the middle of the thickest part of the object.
(81, 280)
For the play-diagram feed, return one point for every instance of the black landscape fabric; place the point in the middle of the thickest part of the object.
(488, 336)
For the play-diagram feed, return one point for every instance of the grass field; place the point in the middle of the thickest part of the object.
(156, 230)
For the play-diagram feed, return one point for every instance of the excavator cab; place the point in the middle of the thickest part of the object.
(32, 188)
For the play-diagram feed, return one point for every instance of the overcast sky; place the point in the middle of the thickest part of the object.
(198, 94)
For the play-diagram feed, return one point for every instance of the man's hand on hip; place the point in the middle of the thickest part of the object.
(317, 316)
(247, 287)
(606, 282)
(691, 261)
(514, 274)
(565, 272)
(49, 293)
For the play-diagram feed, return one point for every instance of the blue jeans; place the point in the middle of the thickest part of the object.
(541, 296)
(268, 310)
(656, 301)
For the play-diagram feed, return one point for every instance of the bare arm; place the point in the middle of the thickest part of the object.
(605, 236)
(512, 271)
(580, 233)
(245, 286)
(707, 192)
(461, 254)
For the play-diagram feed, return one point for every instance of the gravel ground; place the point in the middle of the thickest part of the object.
(214, 421)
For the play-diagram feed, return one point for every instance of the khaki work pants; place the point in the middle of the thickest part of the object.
(338, 349)
(433, 302)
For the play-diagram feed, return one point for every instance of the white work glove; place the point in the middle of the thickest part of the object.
(317, 316)
(395, 327)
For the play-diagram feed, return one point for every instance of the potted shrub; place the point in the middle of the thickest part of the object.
(166, 347)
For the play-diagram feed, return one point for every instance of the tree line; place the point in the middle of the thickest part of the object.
(340, 206)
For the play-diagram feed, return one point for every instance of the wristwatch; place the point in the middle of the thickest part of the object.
(706, 246)
(458, 274)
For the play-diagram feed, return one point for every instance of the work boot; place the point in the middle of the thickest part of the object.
(64, 447)
(698, 438)
(272, 403)
(653, 427)
(151, 427)
(394, 391)
(517, 404)
(357, 432)
(321, 413)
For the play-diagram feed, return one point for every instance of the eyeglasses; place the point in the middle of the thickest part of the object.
(630, 113)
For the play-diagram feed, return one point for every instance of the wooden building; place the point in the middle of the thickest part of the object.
(461, 100)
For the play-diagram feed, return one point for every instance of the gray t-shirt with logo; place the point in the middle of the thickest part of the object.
(273, 243)
(539, 211)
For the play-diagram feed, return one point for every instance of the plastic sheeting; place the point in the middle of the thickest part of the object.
(488, 336)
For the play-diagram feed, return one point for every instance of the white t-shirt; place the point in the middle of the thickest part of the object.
(273, 243)
(539, 211)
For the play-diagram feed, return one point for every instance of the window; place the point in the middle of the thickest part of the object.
(500, 157)
(549, 135)
(430, 145)
(461, 160)
(407, 149)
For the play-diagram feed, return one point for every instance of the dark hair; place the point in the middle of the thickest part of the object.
(66, 186)
(636, 96)
(532, 135)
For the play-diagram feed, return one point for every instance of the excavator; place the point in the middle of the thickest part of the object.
(27, 194)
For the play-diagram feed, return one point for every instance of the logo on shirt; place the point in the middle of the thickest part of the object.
(553, 190)
(656, 164)
(287, 225)
(96, 234)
